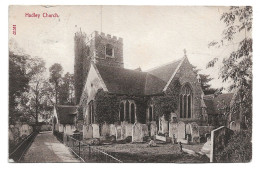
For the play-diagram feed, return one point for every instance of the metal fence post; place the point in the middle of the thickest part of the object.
(79, 148)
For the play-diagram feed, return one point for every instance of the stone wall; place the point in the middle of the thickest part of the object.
(185, 75)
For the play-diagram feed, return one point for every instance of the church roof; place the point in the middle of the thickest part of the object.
(216, 104)
(165, 72)
(66, 113)
(131, 82)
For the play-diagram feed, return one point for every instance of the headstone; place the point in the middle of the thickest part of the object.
(128, 130)
(173, 118)
(96, 131)
(219, 140)
(153, 128)
(188, 129)
(123, 130)
(24, 130)
(68, 129)
(105, 131)
(163, 125)
(137, 133)
(181, 131)
(173, 130)
(145, 131)
(118, 133)
(195, 136)
(233, 126)
(112, 129)
(61, 128)
(87, 132)
(11, 135)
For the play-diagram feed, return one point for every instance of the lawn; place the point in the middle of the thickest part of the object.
(142, 153)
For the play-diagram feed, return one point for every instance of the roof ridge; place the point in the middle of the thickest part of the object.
(151, 69)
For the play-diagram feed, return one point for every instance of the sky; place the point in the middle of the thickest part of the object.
(152, 35)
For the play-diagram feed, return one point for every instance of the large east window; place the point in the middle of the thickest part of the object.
(186, 102)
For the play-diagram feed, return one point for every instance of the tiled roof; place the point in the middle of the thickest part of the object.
(131, 82)
(66, 114)
(165, 72)
(216, 104)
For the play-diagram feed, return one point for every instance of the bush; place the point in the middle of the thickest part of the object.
(239, 148)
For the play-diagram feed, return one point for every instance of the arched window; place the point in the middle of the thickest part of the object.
(91, 112)
(132, 117)
(186, 102)
(122, 110)
(150, 113)
(127, 111)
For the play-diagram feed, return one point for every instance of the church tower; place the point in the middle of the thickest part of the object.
(98, 48)
(106, 50)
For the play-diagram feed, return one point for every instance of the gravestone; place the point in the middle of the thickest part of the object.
(173, 130)
(145, 131)
(137, 133)
(118, 132)
(153, 128)
(105, 131)
(173, 118)
(24, 130)
(163, 125)
(181, 131)
(87, 131)
(195, 136)
(123, 131)
(112, 129)
(188, 129)
(68, 130)
(219, 140)
(96, 133)
(11, 135)
(128, 130)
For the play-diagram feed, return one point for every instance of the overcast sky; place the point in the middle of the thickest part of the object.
(152, 35)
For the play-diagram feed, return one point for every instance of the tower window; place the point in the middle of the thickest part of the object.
(109, 50)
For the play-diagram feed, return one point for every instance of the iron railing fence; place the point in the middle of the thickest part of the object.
(87, 153)
(17, 153)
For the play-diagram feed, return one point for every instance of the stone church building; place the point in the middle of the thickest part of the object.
(109, 94)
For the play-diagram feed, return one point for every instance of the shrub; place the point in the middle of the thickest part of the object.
(239, 148)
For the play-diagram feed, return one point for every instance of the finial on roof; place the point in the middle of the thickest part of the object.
(185, 52)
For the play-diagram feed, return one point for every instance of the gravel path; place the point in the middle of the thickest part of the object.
(47, 149)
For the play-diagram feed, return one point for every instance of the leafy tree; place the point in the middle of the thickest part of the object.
(66, 90)
(237, 67)
(205, 79)
(18, 82)
(55, 79)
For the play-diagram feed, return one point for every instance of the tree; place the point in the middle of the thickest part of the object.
(237, 66)
(205, 79)
(18, 82)
(55, 79)
(66, 90)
